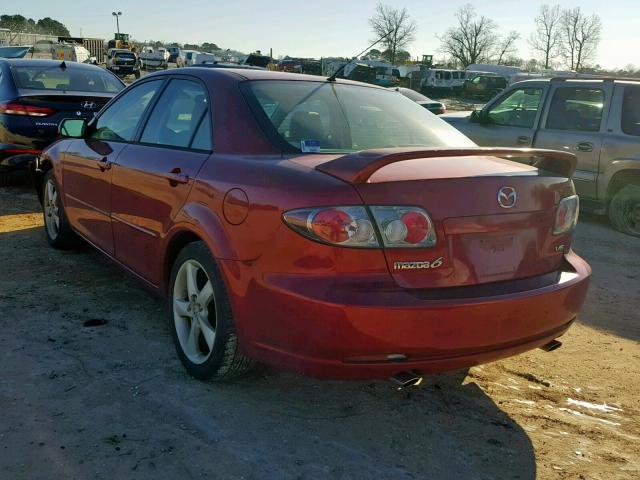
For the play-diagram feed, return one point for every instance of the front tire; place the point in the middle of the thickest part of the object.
(202, 323)
(624, 210)
(56, 226)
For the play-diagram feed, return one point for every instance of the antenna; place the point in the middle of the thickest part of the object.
(332, 78)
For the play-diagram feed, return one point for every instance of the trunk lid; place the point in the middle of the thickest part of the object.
(63, 105)
(479, 241)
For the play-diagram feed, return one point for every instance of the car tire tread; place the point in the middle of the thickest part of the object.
(619, 205)
(228, 362)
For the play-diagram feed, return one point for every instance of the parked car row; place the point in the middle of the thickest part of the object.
(333, 228)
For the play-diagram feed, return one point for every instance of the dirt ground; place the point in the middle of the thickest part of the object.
(112, 401)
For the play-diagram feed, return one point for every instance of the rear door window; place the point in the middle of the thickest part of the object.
(631, 111)
(177, 115)
(120, 121)
(518, 109)
(577, 109)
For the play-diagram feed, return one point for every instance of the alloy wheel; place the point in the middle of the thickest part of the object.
(51, 209)
(194, 311)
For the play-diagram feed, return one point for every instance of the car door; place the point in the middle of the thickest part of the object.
(575, 122)
(510, 121)
(153, 176)
(87, 171)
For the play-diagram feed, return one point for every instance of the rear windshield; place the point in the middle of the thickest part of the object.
(344, 118)
(124, 55)
(56, 78)
(413, 95)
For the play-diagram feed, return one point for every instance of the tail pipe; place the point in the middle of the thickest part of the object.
(551, 346)
(407, 379)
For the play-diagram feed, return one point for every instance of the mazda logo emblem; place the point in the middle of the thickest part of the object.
(88, 105)
(507, 197)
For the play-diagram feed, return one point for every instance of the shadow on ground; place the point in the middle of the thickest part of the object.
(610, 252)
(112, 401)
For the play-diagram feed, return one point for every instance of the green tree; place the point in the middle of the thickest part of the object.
(50, 26)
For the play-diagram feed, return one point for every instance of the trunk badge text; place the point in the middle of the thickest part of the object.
(421, 265)
(507, 197)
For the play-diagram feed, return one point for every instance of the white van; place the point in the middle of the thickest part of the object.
(189, 57)
(72, 53)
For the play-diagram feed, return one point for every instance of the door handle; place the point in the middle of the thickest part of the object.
(176, 176)
(585, 147)
(104, 164)
(524, 140)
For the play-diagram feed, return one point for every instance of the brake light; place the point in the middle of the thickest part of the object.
(404, 226)
(408, 227)
(566, 215)
(16, 108)
(346, 226)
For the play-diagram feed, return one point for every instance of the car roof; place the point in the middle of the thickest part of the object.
(27, 62)
(241, 74)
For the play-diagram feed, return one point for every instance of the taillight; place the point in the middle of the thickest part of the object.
(566, 215)
(346, 226)
(16, 108)
(408, 227)
(404, 226)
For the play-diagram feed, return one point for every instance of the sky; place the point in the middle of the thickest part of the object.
(319, 28)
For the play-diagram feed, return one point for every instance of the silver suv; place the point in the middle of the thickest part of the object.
(598, 119)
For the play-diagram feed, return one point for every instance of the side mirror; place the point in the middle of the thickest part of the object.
(73, 127)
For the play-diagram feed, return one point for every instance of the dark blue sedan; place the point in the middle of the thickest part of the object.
(35, 95)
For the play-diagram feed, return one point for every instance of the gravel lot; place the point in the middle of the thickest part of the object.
(112, 402)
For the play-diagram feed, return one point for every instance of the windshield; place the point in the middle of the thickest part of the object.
(56, 78)
(346, 118)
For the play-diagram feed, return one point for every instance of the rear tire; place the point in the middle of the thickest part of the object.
(56, 226)
(624, 210)
(202, 323)
(5, 179)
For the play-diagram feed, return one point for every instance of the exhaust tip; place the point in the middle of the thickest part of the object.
(551, 346)
(407, 379)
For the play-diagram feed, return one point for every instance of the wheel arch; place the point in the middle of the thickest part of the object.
(620, 179)
(196, 222)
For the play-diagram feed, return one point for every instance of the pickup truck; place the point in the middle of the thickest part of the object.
(598, 119)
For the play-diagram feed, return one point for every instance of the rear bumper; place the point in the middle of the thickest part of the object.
(339, 331)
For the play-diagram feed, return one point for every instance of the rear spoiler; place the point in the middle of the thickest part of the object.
(359, 166)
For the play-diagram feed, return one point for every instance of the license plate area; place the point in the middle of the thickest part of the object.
(494, 256)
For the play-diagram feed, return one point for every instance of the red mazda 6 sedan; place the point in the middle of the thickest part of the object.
(329, 227)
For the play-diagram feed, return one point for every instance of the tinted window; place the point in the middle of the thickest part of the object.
(120, 121)
(177, 115)
(631, 111)
(518, 109)
(576, 109)
(349, 117)
(56, 78)
(447, 75)
(202, 139)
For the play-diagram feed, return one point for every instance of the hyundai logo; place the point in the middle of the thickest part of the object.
(507, 197)
(88, 105)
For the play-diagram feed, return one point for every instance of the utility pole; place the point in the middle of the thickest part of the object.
(117, 15)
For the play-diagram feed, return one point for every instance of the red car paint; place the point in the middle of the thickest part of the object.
(505, 285)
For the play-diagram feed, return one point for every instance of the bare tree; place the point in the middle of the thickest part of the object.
(472, 39)
(397, 28)
(580, 36)
(546, 38)
(506, 46)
